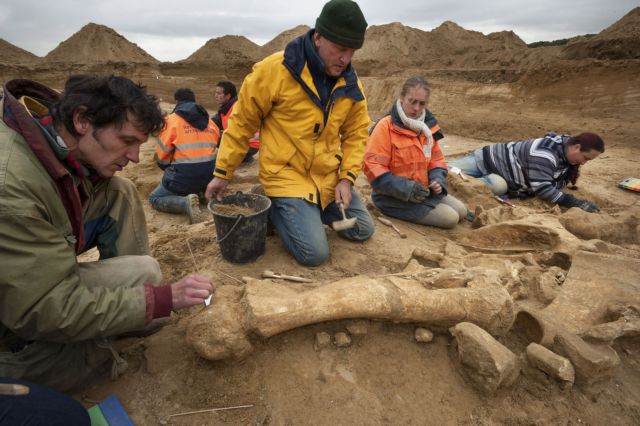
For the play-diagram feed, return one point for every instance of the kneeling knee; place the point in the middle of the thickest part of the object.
(450, 222)
(314, 259)
(363, 230)
(498, 185)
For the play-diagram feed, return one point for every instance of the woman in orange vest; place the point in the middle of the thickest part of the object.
(405, 165)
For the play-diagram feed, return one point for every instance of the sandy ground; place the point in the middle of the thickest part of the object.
(385, 377)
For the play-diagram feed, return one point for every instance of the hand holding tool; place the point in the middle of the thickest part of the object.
(341, 225)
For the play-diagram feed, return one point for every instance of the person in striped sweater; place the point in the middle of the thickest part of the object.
(535, 167)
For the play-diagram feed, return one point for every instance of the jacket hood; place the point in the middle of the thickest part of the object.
(193, 113)
(16, 116)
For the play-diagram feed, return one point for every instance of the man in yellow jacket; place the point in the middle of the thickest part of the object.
(311, 111)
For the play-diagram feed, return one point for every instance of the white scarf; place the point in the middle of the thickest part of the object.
(417, 125)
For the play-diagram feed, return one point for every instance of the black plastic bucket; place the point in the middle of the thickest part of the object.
(242, 237)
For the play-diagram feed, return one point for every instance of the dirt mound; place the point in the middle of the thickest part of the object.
(11, 54)
(612, 49)
(225, 51)
(457, 40)
(391, 48)
(98, 44)
(508, 40)
(228, 58)
(281, 40)
(620, 41)
(394, 49)
(627, 26)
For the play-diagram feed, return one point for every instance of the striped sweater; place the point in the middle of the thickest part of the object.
(531, 167)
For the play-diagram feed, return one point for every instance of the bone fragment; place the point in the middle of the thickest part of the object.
(225, 329)
(551, 363)
(270, 274)
(422, 335)
(485, 361)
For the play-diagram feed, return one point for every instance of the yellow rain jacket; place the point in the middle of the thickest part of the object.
(304, 149)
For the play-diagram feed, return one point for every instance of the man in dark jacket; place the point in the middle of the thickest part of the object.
(58, 156)
(226, 96)
(186, 152)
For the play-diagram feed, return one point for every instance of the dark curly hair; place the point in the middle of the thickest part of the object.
(588, 141)
(108, 101)
(228, 88)
(184, 94)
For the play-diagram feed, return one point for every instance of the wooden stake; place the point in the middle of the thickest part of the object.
(211, 410)
(195, 265)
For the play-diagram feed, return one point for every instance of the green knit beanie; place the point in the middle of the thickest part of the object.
(342, 22)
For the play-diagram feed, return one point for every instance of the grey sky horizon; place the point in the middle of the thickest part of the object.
(170, 31)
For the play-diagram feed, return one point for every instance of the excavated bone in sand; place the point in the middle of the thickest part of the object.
(266, 308)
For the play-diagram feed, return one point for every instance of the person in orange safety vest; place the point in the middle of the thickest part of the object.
(405, 165)
(186, 152)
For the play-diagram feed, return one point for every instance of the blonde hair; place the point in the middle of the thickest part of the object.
(415, 82)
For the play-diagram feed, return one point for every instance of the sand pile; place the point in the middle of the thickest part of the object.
(282, 39)
(226, 51)
(98, 44)
(12, 54)
(390, 48)
(508, 40)
(620, 41)
(627, 26)
(394, 48)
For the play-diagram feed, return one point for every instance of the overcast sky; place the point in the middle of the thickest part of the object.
(171, 31)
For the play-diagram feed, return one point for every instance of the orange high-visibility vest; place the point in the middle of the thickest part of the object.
(181, 143)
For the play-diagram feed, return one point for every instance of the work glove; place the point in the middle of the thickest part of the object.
(586, 205)
(419, 193)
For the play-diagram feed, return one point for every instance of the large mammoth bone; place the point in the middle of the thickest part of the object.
(266, 308)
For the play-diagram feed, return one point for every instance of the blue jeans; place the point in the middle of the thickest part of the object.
(470, 166)
(41, 406)
(167, 201)
(299, 225)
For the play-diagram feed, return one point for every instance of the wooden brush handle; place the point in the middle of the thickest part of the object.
(13, 389)
(389, 223)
